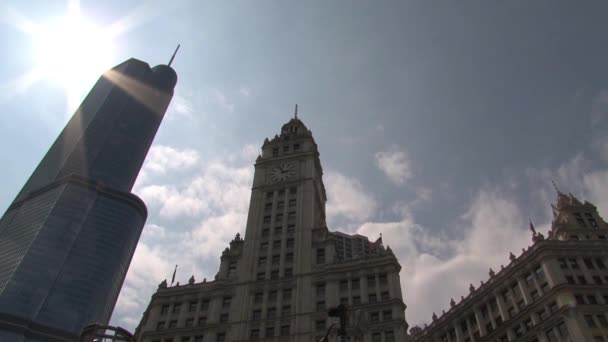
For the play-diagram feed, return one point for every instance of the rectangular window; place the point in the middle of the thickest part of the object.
(220, 337)
(321, 290)
(597, 280)
(286, 310)
(570, 280)
(275, 152)
(261, 276)
(226, 302)
(286, 294)
(276, 244)
(343, 285)
(383, 279)
(198, 338)
(573, 263)
(293, 190)
(387, 315)
(224, 318)
(278, 218)
(264, 246)
(272, 296)
(590, 321)
(389, 336)
(189, 322)
(164, 309)
(160, 325)
(290, 243)
(373, 298)
(582, 280)
(261, 261)
(267, 219)
(278, 231)
(285, 148)
(185, 338)
(265, 232)
(600, 263)
(288, 273)
(591, 299)
(257, 315)
(320, 324)
(202, 321)
(354, 284)
(173, 324)
(588, 263)
(376, 337)
(371, 281)
(271, 313)
(176, 308)
(562, 263)
(254, 335)
(580, 300)
(291, 216)
(269, 332)
(553, 307)
(321, 305)
(284, 330)
(274, 275)
(289, 258)
(292, 203)
(321, 256)
(291, 228)
(602, 319)
(296, 147)
(374, 317)
(276, 259)
(384, 295)
(258, 297)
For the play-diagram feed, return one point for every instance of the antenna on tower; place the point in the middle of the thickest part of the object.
(174, 53)
(555, 186)
(296, 112)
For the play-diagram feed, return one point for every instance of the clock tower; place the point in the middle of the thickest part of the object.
(278, 282)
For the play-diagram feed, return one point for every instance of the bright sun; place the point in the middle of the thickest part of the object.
(71, 51)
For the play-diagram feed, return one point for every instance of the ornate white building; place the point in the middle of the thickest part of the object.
(278, 282)
(555, 290)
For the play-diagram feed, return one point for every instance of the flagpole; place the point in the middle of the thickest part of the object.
(173, 278)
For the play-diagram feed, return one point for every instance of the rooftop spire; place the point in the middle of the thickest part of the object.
(174, 53)
(296, 112)
(555, 186)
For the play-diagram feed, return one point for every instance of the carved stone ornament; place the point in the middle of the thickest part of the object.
(163, 284)
(191, 280)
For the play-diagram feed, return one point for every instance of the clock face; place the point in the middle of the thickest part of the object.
(282, 172)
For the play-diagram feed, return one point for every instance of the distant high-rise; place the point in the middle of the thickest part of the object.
(68, 238)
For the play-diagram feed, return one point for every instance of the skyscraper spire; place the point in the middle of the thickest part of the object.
(296, 112)
(173, 56)
(555, 186)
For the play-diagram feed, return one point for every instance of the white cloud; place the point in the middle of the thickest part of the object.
(162, 158)
(395, 165)
(222, 101)
(245, 91)
(437, 268)
(346, 199)
(180, 107)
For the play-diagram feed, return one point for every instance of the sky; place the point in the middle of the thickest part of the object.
(440, 124)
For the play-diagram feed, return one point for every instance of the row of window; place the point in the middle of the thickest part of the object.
(281, 193)
(255, 335)
(275, 259)
(587, 218)
(590, 263)
(278, 218)
(274, 274)
(219, 337)
(271, 313)
(258, 297)
(278, 231)
(280, 205)
(286, 149)
(192, 306)
(582, 280)
(276, 244)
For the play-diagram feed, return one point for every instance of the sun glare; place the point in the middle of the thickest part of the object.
(71, 51)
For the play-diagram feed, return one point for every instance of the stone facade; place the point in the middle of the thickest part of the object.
(277, 283)
(555, 290)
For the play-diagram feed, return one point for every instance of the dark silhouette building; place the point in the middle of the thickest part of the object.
(68, 238)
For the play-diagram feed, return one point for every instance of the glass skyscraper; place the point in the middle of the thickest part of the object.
(68, 238)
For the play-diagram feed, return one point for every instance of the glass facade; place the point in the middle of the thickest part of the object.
(67, 240)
